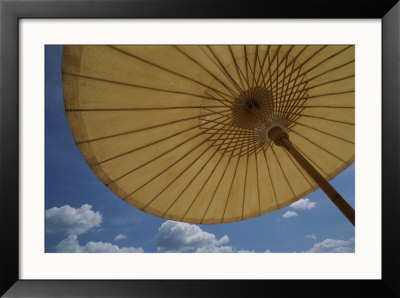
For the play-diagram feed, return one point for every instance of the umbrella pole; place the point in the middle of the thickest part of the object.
(281, 138)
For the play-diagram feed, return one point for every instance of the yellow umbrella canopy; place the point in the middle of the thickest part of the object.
(184, 132)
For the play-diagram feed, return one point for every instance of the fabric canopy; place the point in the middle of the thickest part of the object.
(181, 131)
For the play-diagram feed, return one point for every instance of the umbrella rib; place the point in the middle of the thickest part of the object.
(262, 65)
(227, 117)
(321, 106)
(170, 166)
(331, 81)
(191, 181)
(261, 72)
(269, 175)
(160, 173)
(255, 66)
(316, 117)
(216, 122)
(241, 142)
(301, 170)
(337, 137)
(221, 155)
(244, 184)
(141, 109)
(203, 67)
(320, 147)
(304, 89)
(201, 189)
(162, 154)
(219, 100)
(289, 92)
(257, 146)
(311, 79)
(283, 172)
(216, 188)
(247, 71)
(143, 129)
(258, 183)
(222, 68)
(226, 130)
(254, 148)
(309, 58)
(168, 70)
(281, 98)
(314, 164)
(275, 88)
(303, 106)
(234, 130)
(253, 72)
(208, 71)
(136, 86)
(316, 76)
(287, 87)
(236, 141)
(220, 113)
(328, 58)
(176, 178)
(247, 142)
(263, 80)
(302, 92)
(148, 145)
(295, 112)
(239, 137)
(331, 69)
(278, 64)
(230, 188)
(268, 84)
(296, 98)
(293, 99)
(236, 66)
(332, 93)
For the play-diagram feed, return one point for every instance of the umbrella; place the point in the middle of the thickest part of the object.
(213, 133)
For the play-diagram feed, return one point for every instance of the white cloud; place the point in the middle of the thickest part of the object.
(214, 249)
(77, 221)
(289, 214)
(180, 237)
(332, 245)
(183, 237)
(311, 236)
(71, 245)
(73, 221)
(120, 237)
(267, 251)
(303, 204)
(242, 251)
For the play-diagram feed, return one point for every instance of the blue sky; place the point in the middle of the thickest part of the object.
(83, 215)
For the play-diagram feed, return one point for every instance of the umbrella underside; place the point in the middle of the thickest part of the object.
(181, 132)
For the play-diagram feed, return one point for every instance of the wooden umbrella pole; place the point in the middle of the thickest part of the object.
(281, 138)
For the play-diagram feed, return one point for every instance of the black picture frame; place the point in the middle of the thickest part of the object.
(12, 11)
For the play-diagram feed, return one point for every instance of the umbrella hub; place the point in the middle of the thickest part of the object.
(264, 132)
(252, 108)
